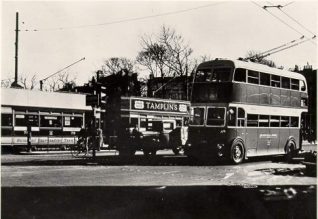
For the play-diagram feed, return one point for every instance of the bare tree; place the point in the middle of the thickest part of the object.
(116, 64)
(62, 81)
(6, 82)
(257, 57)
(166, 55)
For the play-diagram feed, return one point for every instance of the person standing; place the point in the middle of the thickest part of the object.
(29, 138)
(100, 138)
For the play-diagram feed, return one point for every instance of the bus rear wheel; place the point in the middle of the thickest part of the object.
(237, 152)
(290, 151)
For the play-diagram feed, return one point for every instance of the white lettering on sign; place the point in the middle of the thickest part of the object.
(162, 106)
(159, 106)
(183, 108)
(268, 136)
(139, 104)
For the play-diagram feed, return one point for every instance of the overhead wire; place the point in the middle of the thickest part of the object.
(297, 22)
(275, 48)
(284, 22)
(293, 19)
(128, 19)
(305, 40)
(278, 18)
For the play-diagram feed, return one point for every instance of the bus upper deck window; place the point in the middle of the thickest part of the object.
(253, 77)
(285, 83)
(203, 75)
(275, 81)
(265, 79)
(294, 84)
(302, 85)
(240, 75)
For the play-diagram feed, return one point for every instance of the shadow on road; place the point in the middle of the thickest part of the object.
(159, 202)
(115, 160)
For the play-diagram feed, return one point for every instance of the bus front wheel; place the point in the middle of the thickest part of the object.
(237, 152)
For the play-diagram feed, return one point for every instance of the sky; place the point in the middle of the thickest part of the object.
(71, 30)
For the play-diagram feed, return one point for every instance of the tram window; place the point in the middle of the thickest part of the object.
(263, 121)
(51, 121)
(252, 120)
(274, 121)
(20, 120)
(215, 116)
(294, 122)
(6, 132)
(231, 116)
(167, 125)
(33, 120)
(198, 116)
(265, 79)
(302, 85)
(294, 84)
(240, 75)
(6, 119)
(284, 121)
(76, 121)
(275, 81)
(240, 117)
(67, 121)
(253, 77)
(285, 82)
(143, 123)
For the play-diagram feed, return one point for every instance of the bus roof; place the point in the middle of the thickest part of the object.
(41, 99)
(252, 66)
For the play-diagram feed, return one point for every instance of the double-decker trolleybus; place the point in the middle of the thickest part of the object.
(54, 119)
(241, 109)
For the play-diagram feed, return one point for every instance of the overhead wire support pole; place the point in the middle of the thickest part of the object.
(16, 47)
(41, 81)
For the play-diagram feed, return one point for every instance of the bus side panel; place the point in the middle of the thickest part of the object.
(295, 98)
(274, 140)
(251, 139)
(263, 141)
(294, 132)
(264, 95)
(283, 137)
(275, 96)
(285, 97)
(239, 93)
(252, 94)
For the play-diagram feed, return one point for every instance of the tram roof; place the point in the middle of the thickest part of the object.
(42, 99)
(253, 66)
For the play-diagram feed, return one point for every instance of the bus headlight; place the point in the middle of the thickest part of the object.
(220, 146)
(220, 154)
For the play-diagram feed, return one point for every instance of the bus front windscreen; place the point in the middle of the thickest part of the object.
(216, 116)
(213, 75)
(197, 116)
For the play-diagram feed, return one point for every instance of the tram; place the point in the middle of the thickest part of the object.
(53, 118)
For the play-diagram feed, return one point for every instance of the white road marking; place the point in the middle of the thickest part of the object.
(227, 175)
